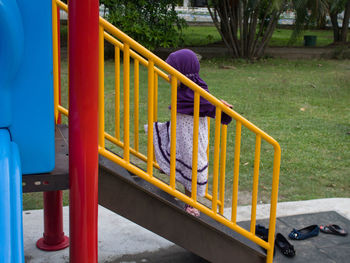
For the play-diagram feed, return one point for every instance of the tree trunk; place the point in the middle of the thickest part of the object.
(252, 32)
(237, 22)
(335, 26)
(346, 19)
(322, 22)
(268, 34)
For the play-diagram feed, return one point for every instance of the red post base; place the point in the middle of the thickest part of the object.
(53, 238)
(43, 246)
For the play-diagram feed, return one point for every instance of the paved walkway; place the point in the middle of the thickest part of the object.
(123, 241)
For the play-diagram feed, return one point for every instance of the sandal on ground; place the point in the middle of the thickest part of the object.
(191, 210)
(333, 229)
(285, 247)
(262, 232)
(304, 233)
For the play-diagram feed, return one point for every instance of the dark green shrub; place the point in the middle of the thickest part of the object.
(152, 23)
(341, 52)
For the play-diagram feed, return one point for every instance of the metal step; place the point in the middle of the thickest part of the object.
(159, 212)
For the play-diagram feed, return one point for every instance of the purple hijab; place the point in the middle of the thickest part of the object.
(186, 62)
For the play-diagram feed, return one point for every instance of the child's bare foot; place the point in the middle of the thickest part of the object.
(192, 211)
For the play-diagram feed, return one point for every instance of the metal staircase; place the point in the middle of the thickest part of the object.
(143, 198)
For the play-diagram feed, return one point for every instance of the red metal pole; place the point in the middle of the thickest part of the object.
(53, 238)
(83, 129)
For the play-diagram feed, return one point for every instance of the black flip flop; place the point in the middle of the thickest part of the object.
(262, 232)
(333, 229)
(285, 247)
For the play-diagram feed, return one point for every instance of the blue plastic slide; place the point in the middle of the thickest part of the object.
(11, 230)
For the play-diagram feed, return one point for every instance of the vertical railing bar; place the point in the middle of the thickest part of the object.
(236, 171)
(206, 187)
(274, 197)
(255, 183)
(55, 58)
(173, 132)
(195, 146)
(117, 92)
(150, 117)
(136, 104)
(155, 109)
(222, 168)
(59, 120)
(126, 80)
(155, 101)
(101, 104)
(216, 159)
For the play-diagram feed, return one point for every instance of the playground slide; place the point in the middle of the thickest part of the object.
(11, 232)
(11, 50)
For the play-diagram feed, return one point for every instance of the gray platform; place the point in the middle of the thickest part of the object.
(324, 248)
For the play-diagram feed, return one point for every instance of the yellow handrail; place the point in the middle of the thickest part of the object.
(126, 73)
(117, 92)
(158, 68)
(255, 183)
(195, 146)
(236, 171)
(216, 160)
(136, 104)
(173, 131)
(222, 168)
(101, 103)
(55, 59)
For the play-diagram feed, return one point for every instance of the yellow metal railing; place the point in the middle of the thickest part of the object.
(156, 68)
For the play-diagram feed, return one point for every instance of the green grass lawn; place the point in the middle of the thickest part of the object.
(281, 37)
(303, 104)
(204, 35)
(200, 35)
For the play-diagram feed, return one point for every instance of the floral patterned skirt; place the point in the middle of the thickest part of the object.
(184, 148)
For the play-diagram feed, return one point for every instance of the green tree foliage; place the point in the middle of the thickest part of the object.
(246, 26)
(150, 22)
(312, 12)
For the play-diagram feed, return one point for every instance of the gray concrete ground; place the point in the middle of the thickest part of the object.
(123, 241)
(323, 248)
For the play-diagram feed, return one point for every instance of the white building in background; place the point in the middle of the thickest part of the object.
(200, 14)
(186, 3)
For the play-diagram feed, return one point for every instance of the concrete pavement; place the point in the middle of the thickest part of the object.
(123, 241)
